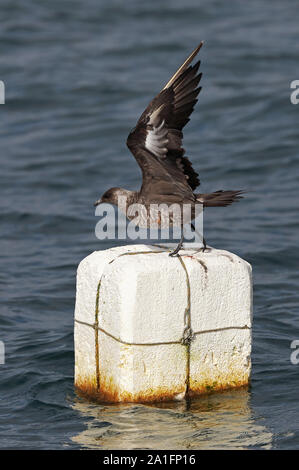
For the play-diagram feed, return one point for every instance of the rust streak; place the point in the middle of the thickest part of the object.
(228, 256)
(203, 265)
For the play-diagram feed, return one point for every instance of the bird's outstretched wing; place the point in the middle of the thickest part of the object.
(156, 141)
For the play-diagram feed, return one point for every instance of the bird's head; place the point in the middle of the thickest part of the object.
(110, 197)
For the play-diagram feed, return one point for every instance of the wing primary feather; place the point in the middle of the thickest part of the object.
(186, 98)
(188, 87)
(185, 77)
(184, 65)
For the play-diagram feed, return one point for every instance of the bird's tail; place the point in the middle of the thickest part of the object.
(219, 198)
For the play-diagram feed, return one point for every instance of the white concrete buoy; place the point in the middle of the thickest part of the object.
(150, 327)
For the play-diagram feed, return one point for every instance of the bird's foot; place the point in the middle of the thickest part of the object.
(178, 248)
(203, 248)
(174, 253)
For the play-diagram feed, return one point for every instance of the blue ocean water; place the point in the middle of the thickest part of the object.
(77, 76)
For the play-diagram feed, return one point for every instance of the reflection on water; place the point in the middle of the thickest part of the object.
(216, 421)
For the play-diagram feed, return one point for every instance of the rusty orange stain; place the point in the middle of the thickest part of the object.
(109, 393)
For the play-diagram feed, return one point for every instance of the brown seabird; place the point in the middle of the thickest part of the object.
(156, 143)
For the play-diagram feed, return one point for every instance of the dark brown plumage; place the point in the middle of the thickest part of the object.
(156, 142)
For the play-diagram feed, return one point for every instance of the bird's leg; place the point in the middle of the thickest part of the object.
(204, 244)
(180, 244)
(203, 239)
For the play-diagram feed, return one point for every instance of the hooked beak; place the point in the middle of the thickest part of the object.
(97, 202)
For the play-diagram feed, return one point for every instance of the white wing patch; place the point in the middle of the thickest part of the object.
(156, 140)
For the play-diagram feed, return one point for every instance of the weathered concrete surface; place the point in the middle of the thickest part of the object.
(138, 294)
